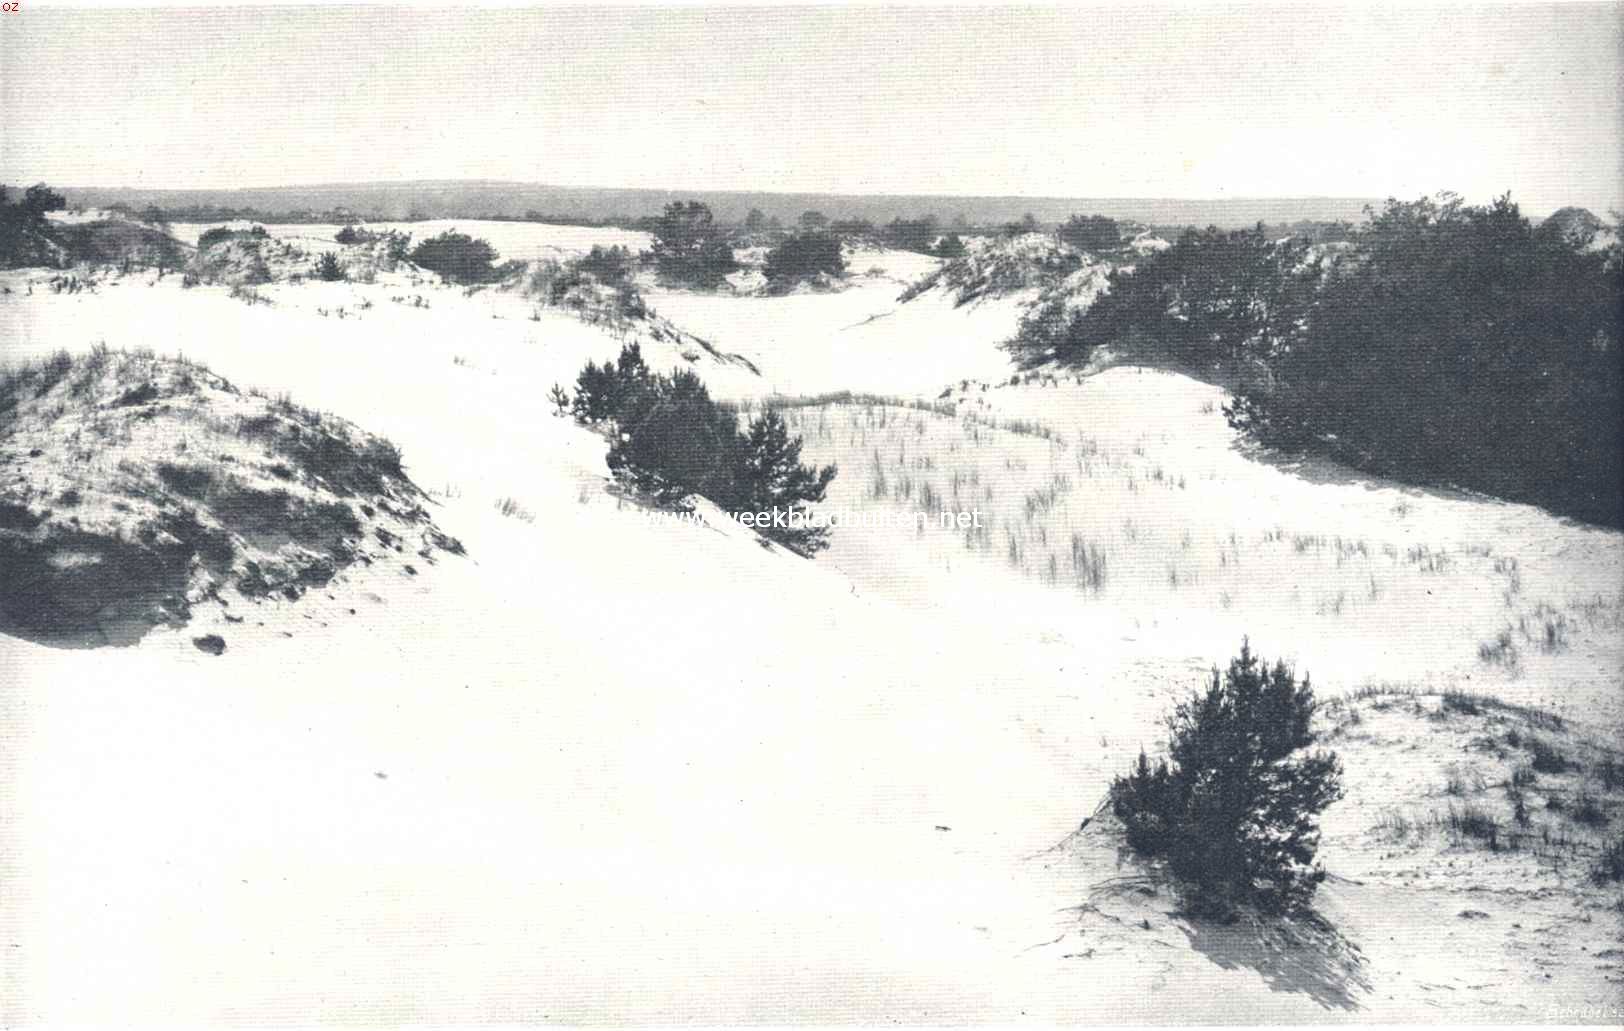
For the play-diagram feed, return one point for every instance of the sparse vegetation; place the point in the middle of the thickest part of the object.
(197, 487)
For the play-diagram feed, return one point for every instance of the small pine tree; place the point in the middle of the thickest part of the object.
(770, 477)
(560, 400)
(328, 269)
(1234, 810)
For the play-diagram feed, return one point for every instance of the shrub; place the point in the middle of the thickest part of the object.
(1587, 809)
(911, 234)
(1092, 233)
(458, 257)
(951, 246)
(1234, 810)
(1459, 344)
(689, 247)
(220, 234)
(1546, 757)
(1213, 296)
(805, 255)
(608, 265)
(328, 269)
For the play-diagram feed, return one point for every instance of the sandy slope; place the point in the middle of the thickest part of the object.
(604, 755)
(861, 339)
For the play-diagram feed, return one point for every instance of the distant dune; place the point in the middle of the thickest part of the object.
(468, 198)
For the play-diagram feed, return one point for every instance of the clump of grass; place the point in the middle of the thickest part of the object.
(511, 508)
(1462, 782)
(1502, 651)
(1519, 804)
(1395, 825)
(1470, 821)
(1087, 563)
(1609, 866)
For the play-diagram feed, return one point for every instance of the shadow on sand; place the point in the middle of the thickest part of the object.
(1303, 954)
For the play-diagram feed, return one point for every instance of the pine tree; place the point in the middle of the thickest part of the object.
(770, 477)
(560, 400)
(328, 269)
(1235, 808)
(674, 440)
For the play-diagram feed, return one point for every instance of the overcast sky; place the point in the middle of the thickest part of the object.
(1085, 102)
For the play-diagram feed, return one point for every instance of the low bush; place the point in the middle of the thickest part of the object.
(458, 257)
(1091, 233)
(1234, 808)
(220, 234)
(328, 269)
(804, 256)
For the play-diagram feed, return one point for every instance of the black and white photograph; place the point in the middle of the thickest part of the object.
(855, 515)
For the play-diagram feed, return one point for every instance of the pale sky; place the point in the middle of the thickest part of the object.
(1187, 102)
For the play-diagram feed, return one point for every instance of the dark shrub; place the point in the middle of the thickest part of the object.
(805, 255)
(950, 246)
(1459, 344)
(1213, 297)
(328, 269)
(1546, 757)
(689, 247)
(911, 234)
(458, 257)
(1092, 233)
(608, 265)
(220, 234)
(1234, 808)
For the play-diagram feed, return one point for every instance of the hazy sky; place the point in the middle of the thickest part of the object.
(1211, 101)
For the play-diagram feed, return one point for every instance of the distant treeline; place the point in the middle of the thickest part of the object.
(416, 201)
(1440, 342)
